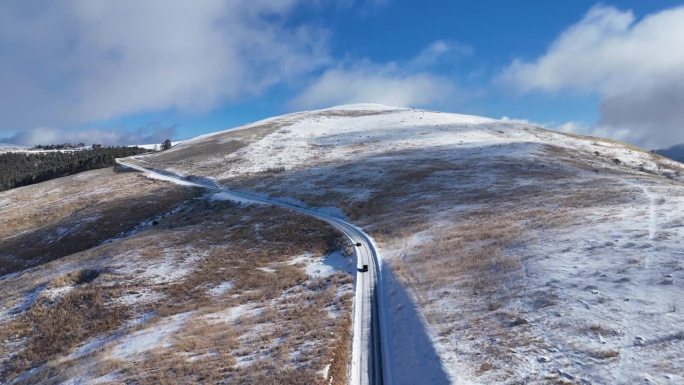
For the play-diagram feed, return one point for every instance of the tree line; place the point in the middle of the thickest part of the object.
(62, 146)
(24, 168)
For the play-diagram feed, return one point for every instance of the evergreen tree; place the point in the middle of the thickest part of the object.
(23, 168)
(166, 145)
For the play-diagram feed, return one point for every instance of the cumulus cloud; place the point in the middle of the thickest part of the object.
(372, 83)
(635, 66)
(623, 134)
(78, 61)
(397, 84)
(440, 52)
(151, 133)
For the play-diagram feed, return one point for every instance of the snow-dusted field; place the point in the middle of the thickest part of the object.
(204, 291)
(589, 295)
(513, 254)
(353, 132)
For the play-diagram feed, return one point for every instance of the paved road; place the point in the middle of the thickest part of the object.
(368, 356)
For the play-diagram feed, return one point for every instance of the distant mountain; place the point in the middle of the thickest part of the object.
(674, 152)
(5, 147)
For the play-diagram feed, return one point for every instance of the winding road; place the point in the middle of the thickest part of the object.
(369, 361)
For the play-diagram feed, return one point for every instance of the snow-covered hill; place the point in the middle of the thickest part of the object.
(343, 133)
(512, 253)
(108, 277)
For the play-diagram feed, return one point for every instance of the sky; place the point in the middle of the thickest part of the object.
(135, 72)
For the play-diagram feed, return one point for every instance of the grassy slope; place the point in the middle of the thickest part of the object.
(96, 310)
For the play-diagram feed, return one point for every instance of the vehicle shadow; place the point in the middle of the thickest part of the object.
(414, 359)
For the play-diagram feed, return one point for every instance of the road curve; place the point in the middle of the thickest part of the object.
(370, 359)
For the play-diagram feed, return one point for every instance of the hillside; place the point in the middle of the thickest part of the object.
(509, 253)
(22, 168)
(109, 277)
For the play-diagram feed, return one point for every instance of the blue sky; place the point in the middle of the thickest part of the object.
(127, 71)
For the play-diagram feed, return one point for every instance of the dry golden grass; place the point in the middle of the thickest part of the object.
(202, 353)
(604, 354)
(63, 216)
(186, 158)
(51, 329)
(78, 277)
(289, 337)
(341, 351)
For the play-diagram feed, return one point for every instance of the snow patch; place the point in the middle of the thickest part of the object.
(155, 336)
(139, 297)
(175, 265)
(221, 289)
(325, 266)
(226, 196)
(233, 314)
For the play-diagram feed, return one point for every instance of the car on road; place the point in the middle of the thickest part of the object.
(362, 269)
(358, 244)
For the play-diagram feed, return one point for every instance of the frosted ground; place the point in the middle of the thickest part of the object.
(512, 254)
(195, 290)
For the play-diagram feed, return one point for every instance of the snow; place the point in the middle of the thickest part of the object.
(415, 359)
(225, 196)
(155, 146)
(221, 289)
(233, 314)
(324, 372)
(317, 138)
(106, 379)
(169, 270)
(324, 266)
(613, 283)
(154, 336)
(172, 180)
(564, 262)
(74, 227)
(362, 107)
(17, 148)
(57, 292)
(173, 266)
(141, 296)
(24, 304)
(343, 133)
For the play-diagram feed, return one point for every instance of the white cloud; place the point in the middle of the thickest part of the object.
(572, 127)
(522, 121)
(72, 62)
(635, 66)
(151, 133)
(440, 52)
(377, 84)
(397, 84)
